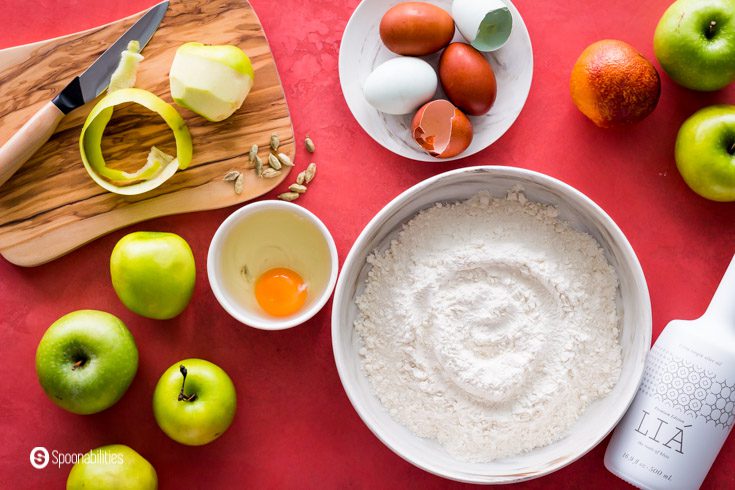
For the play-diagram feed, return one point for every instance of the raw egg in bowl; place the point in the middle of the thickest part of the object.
(272, 265)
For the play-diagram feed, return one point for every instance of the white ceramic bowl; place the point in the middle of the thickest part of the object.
(362, 50)
(295, 238)
(583, 214)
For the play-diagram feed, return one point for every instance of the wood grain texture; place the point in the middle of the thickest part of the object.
(51, 206)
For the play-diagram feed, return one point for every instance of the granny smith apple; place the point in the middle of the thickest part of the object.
(705, 152)
(86, 360)
(695, 43)
(153, 273)
(112, 467)
(212, 81)
(194, 402)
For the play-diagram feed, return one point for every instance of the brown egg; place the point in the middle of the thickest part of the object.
(467, 78)
(416, 28)
(441, 129)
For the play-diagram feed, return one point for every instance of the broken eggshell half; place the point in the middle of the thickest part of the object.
(441, 129)
(485, 24)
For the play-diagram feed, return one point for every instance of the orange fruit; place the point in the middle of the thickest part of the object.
(613, 84)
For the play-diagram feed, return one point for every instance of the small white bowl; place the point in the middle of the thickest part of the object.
(633, 303)
(361, 51)
(264, 235)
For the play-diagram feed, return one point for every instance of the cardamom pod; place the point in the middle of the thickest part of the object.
(274, 162)
(289, 196)
(310, 173)
(301, 177)
(309, 144)
(231, 175)
(269, 173)
(298, 188)
(258, 166)
(253, 153)
(275, 142)
(239, 183)
(285, 160)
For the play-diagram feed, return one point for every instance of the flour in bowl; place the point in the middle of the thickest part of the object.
(490, 325)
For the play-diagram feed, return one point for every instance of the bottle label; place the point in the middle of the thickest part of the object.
(688, 388)
(679, 419)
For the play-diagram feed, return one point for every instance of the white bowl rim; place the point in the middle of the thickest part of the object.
(506, 171)
(217, 243)
(426, 157)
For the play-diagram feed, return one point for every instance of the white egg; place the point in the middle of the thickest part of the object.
(400, 85)
(485, 24)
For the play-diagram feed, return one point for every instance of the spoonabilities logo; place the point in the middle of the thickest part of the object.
(39, 457)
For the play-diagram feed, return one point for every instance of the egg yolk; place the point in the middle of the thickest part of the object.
(280, 291)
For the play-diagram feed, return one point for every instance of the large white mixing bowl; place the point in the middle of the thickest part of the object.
(583, 214)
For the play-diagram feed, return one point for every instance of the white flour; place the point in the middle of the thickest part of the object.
(490, 325)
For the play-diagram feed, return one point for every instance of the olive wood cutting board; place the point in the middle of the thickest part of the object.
(51, 206)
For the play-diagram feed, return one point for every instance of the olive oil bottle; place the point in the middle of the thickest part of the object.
(685, 406)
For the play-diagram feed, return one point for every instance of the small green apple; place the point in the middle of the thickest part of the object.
(86, 360)
(194, 402)
(212, 81)
(695, 43)
(153, 273)
(112, 467)
(705, 152)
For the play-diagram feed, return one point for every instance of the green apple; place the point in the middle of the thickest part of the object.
(86, 360)
(705, 152)
(695, 43)
(153, 273)
(113, 467)
(194, 402)
(212, 81)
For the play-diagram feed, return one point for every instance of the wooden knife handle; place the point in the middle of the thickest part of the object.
(29, 138)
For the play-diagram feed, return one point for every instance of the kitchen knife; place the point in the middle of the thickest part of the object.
(83, 88)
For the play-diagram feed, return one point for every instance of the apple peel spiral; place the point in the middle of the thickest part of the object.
(159, 166)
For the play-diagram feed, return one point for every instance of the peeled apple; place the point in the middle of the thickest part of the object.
(212, 81)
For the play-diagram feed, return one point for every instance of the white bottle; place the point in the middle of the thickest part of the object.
(685, 406)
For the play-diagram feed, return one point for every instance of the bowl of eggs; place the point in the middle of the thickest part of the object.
(272, 265)
(437, 80)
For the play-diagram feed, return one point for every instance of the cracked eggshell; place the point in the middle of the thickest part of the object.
(485, 24)
(400, 85)
(441, 129)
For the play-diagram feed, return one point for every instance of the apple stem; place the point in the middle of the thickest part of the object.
(182, 395)
(78, 364)
(711, 29)
(731, 150)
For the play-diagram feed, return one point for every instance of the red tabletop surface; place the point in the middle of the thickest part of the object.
(294, 425)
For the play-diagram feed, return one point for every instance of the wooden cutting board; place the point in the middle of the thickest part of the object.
(51, 206)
